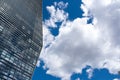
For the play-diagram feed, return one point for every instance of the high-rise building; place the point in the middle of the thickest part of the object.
(20, 38)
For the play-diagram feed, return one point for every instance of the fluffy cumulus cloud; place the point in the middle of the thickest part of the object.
(79, 44)
(90, 72)
(57, 14)
(106, 15)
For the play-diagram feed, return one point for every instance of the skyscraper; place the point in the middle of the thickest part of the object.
(20, 38)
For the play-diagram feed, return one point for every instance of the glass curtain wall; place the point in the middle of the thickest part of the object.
(20, 38)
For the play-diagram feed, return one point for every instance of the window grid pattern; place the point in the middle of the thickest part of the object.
(20, 38)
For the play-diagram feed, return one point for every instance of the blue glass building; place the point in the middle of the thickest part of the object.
(20, 38)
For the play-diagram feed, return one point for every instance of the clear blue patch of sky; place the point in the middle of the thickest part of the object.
(74, 9)
(90, 20)
(103, 74)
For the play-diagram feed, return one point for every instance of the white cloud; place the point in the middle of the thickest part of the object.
(90, 72)
(116, 79)
(79, 44)
(57, 14)
(61, 5)
(107, 16)
(74, 48)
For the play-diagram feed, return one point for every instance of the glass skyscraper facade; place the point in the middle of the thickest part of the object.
(20, 38)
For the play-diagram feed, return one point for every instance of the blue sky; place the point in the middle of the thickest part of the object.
(80, 40)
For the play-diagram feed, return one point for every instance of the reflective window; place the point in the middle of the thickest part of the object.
(20, 38)
(1, 28)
